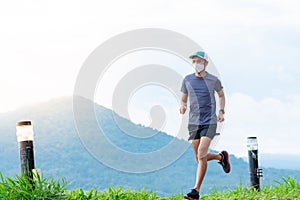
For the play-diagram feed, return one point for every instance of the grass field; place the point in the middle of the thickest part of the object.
(20, 188)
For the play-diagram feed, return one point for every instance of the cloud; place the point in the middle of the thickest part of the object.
(273, 121)
(51, 39)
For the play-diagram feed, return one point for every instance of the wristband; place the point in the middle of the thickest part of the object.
(222, 111)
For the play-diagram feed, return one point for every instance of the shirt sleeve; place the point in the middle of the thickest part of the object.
(183, 87)
(218, 85)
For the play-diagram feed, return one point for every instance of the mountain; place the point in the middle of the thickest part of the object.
(60, 151)
(280, 161)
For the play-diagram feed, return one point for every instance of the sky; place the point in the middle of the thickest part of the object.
(253, 44)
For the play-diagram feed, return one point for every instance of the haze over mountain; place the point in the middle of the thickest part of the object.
(59, 152)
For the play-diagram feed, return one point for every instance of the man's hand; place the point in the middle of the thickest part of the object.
(221, 117)
(182, 109)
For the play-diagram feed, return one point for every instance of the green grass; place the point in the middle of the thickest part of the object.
(288, 188)
(21, 188)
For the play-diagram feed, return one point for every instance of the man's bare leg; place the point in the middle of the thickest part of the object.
(195, 144)
(213, 156)
(202, 161)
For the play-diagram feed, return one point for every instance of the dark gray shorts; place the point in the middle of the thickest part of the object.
(198, 131)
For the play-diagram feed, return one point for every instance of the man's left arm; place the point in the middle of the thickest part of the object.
(222, 106)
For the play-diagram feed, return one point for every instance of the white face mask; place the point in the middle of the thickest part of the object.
(199, 67)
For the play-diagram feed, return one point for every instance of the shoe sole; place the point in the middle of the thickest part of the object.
(190, 198)
(227, 160)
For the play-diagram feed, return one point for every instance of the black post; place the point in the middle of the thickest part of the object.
(25, 142)
(255, 172)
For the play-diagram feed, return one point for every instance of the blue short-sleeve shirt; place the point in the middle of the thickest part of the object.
(201, 94)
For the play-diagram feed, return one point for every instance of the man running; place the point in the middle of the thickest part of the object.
(200, 87)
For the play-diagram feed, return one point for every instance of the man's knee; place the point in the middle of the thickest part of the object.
(202, 156)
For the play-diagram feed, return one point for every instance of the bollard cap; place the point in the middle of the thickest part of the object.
(252, 143)
(24, 131)
(23, 123)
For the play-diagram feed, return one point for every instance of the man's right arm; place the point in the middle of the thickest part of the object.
(183, 103)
